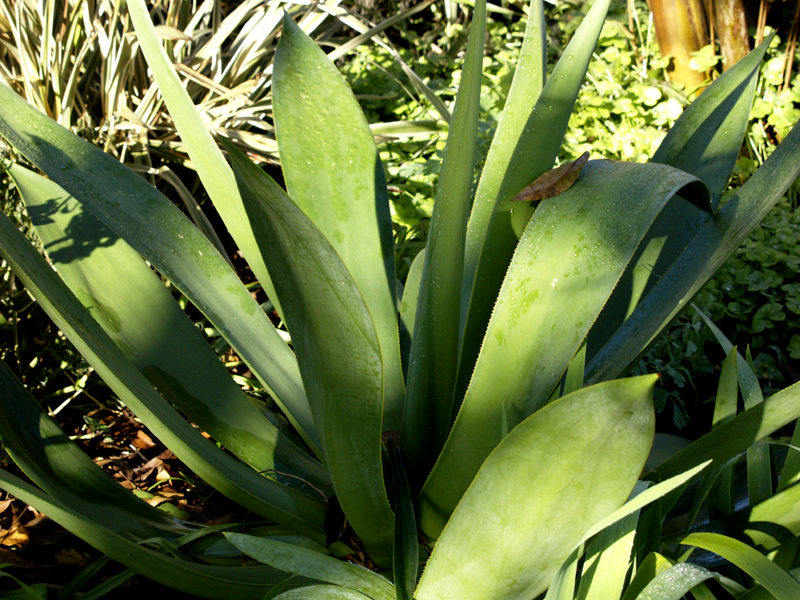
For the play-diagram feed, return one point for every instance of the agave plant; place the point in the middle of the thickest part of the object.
(453, 419)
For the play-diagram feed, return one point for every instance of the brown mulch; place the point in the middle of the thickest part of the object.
(38, 550)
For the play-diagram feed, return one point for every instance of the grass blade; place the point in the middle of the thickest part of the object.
(202, 580)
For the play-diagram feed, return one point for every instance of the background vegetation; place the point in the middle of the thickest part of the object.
(623, 112)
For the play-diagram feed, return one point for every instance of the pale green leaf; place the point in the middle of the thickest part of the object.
(704, 254)
(567, 263)
(334, 174)
(526, 144)
(560, 471)
(337, 349)
(157, 230)
(203, 151)
(232, 478)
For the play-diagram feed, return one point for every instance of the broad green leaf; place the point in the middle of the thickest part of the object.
(405, 558)
(308, 563)
(333, 173)
(157, 230)
(527, 141)
(322, 592)
(675, 582)
(734, 437)
(434, 349)
(705, 141)
(197, 579)
(233, 479)
(337, 348)
(706, 252)
(139, 314)
(568, 261)
(777, 581)
(206, 157)
(559, 472)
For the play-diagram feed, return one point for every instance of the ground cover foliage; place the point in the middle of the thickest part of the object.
(412, 203)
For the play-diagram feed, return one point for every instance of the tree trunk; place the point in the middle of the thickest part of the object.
(731, 26)
(680, 29)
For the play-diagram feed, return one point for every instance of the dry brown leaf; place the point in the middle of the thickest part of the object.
(16, 536)
(553, 182)
(142, 441)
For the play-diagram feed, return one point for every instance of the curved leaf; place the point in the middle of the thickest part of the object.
(675, 582)
(157, 230)
(706, 252)
(138, 312)
(560, 471)
(568, 261)
(735, 436)
(765, 525)
(214, 172)
(705, 141)
(333, 173)
(337, 349)
(777, 581)
(308, 563)
(57, 465)
(233, 479)
(206, 581)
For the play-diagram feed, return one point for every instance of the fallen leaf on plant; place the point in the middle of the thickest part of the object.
(553, 182)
